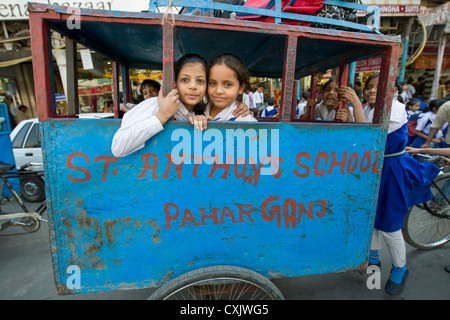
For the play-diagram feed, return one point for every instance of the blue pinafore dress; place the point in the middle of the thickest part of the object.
(404, 182)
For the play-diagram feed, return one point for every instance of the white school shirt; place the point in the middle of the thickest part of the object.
(140, 124)
(424, 125)
(258, 97)
(227, 114)
(321, 112)
(398, 115)
(301, 109)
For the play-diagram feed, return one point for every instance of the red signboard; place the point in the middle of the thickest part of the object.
(369, 64)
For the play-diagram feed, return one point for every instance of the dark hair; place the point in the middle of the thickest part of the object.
(434, 104)
(411, 103)
(306, 95)
(234, 63)
(375, 75)
(271, 101)
(331, 80)
(150, 83)
(199, 109)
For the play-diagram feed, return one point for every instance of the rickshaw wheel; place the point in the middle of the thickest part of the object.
(218, 283)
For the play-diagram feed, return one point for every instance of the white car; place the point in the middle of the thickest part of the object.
(26, 142)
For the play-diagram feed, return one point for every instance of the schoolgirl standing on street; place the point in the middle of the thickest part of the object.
(423, 127)
(147, 118)
(412, 108)
(404, 183)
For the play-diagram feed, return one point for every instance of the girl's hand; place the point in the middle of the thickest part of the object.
(168, 105)
(342, 114)
(241, 110)
(309, 104)
(199, 122)
(349, 95)
(412, 150)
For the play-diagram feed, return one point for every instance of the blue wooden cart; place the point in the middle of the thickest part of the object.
(238, 202)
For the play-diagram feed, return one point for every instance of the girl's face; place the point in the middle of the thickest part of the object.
(370, 92)
(191, 84)
(330, 95)
(415, 107)
(149, 92)
(223, 86)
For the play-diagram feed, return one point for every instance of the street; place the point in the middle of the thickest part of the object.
(26, 273)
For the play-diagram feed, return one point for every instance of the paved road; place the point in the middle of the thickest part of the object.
(26, 273)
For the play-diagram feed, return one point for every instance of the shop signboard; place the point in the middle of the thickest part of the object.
(17, 9)
(430, 62)
(395, 7)
(369, 64)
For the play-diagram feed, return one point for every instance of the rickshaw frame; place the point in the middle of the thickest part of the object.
(72, 220)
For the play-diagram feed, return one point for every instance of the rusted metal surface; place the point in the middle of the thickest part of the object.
(129, 222)
(293, 199)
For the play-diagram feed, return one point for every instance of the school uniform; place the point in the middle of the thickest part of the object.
(300, 109)
(227, 114)
(404, 181)
(140, 124)
(270, 111)
(321, 112)
(424, 125)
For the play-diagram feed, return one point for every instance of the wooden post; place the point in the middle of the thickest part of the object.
(288, 79)
(40, 48)
(72, 77)
(168, 56)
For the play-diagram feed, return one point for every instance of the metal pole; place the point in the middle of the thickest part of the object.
(437, 72)
(401, 76)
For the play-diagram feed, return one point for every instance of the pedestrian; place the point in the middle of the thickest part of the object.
(412, 108)
(247, 98)
(442, 117)
(22, 114)
(404, 183)
(424, 122)
(258, 96)
(420, 89)
(410, 90)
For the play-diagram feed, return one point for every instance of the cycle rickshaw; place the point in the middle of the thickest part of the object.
(219, 211)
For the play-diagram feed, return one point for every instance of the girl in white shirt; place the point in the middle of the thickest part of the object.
(327, 109)
(147, 118)
(228, 78)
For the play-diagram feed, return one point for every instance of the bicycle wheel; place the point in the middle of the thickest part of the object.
(218, 283)
(426, 229)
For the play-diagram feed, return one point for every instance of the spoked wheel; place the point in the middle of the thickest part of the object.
(219, 283)
(428, 227)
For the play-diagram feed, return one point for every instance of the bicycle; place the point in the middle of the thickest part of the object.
(29, 221)
(427, 225)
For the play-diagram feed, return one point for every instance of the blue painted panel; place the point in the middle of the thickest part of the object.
(137, 221)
